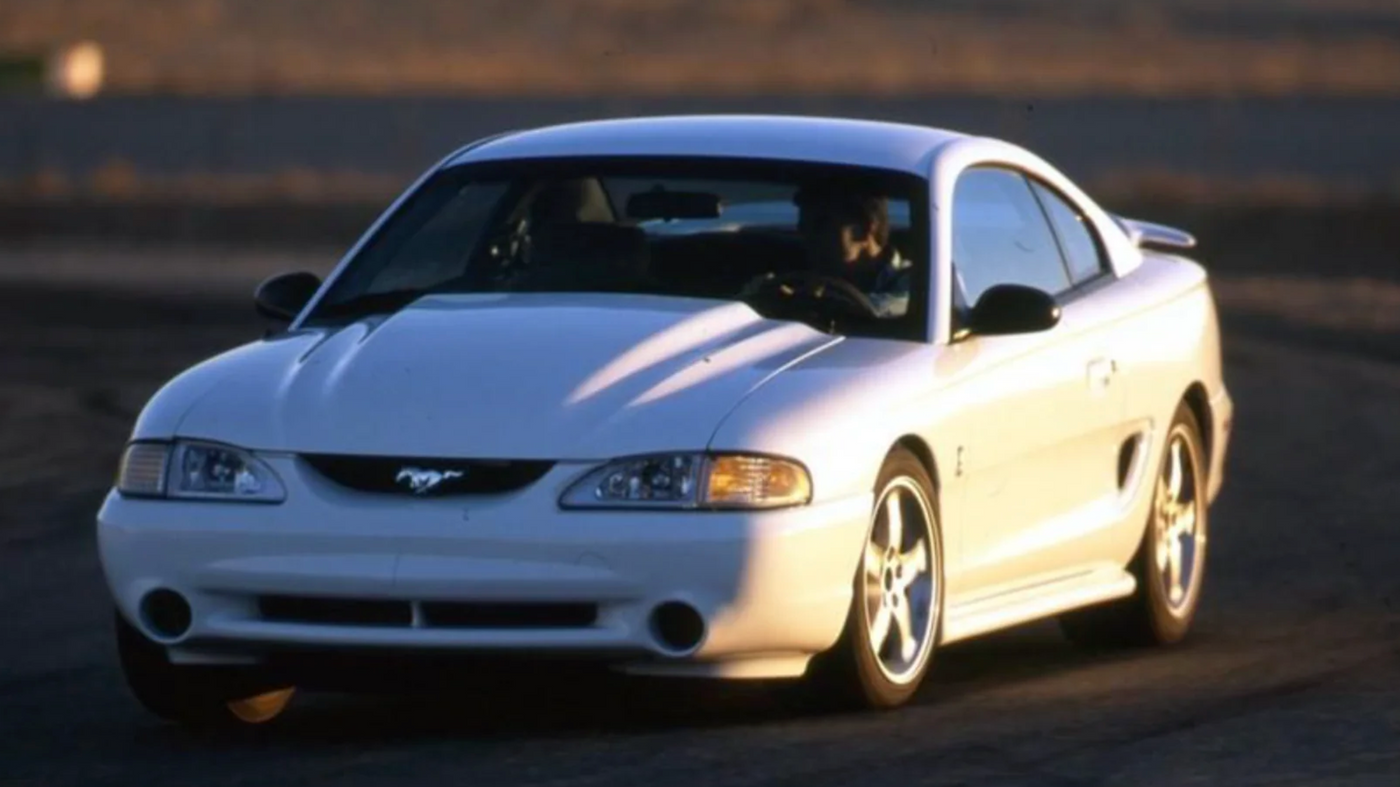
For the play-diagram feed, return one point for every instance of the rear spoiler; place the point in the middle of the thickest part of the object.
(1145, 234)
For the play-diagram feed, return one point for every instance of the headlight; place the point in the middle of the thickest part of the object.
(692, 481)
(202, 471)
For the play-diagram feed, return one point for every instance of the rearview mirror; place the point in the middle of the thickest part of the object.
(670, 205)
(1013, 308)
(283, 296)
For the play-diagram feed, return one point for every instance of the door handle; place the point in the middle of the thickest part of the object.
(1100, 373)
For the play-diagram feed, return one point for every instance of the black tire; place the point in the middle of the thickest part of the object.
(1149, 617)
(205, 698)
(850, 675)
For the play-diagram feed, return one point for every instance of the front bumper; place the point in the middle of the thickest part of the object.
(773, 588)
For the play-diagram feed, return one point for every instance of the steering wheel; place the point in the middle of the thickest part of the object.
(821, 288)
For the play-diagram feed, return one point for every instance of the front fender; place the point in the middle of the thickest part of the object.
(839, 413)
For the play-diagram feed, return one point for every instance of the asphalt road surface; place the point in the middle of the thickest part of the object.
(1292, 676)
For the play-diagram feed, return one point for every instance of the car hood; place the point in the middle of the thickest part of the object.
(499, 376)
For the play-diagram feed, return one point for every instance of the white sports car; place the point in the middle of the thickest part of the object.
(731, 397)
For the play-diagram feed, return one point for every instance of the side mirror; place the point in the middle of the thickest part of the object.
(282, 297)
(1013, 308)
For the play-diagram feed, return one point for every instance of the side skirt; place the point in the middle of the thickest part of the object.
(991, 613)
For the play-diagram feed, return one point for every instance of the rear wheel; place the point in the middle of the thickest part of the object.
(202, 697)
(896, 610)
(1170, 563)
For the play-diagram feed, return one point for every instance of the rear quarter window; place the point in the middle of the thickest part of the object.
(1083, 251)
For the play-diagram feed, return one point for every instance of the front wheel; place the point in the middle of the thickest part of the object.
(1170, 564)
(896, 611)
(199, 697)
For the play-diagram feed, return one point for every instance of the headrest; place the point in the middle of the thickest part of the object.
(571, 201)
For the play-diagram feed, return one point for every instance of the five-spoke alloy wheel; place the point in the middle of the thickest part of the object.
(897, 603)
(1180, 538)
(899, 582)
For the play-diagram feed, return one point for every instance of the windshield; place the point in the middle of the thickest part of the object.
(841, 248)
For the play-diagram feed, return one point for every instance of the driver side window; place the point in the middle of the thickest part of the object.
(1001, 236)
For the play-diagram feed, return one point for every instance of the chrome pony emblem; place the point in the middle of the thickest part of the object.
(422, 481)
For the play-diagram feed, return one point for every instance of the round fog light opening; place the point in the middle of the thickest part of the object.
(678, 626)
(166, 613)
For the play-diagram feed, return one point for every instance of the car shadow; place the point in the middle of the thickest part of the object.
(572, 702)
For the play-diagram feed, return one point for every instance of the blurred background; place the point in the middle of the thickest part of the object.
(224, 101)
(159, 157)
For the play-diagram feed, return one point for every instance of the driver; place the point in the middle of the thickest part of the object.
(846, 233)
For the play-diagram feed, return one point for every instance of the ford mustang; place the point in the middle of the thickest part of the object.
(721, 397)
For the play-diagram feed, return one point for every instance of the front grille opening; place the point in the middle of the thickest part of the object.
(427, 476)
(335, 611)
(431, 614)
(477, 615)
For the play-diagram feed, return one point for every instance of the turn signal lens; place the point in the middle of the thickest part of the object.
(756, 482)
(142, 470)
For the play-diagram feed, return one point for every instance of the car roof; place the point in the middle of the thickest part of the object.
(869, 143)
